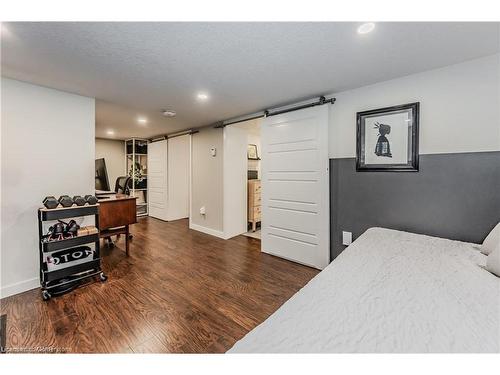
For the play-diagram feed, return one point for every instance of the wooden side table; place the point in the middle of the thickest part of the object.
(116, 213)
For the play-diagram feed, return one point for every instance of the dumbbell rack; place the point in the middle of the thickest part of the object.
(51, 281)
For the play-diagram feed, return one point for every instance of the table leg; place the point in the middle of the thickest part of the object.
(126, 239)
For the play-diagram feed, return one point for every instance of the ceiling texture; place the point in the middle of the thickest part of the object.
(139, 69)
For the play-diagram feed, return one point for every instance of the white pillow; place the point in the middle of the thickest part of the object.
(493, 261)
(491, 241)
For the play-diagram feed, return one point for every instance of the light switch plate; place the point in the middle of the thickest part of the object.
(346, 238)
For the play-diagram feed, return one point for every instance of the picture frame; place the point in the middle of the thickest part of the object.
(387, 139)
(252, 153)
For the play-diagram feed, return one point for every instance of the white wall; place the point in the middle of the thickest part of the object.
(235, 181)
(113, 152)
(47, 149)
(207, 181)
(459, 108)
(219, 183)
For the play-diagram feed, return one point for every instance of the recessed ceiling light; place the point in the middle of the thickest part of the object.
(142, 120)
(168, 113)
(110, 132)
(202, 96)
(366, 28)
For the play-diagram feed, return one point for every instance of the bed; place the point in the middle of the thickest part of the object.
(389, 292)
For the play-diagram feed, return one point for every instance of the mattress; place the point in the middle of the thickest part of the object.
(389, 292)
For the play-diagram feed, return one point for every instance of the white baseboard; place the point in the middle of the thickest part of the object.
(16, 288)
(212, 232)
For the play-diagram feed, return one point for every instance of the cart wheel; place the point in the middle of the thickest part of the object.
(46, 295)
(102, 277)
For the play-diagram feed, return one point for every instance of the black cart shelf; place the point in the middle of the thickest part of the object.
(48, 247)
(51, 281)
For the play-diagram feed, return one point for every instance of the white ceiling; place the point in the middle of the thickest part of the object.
(138, 69)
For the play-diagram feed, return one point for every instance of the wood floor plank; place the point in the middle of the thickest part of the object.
(180, 291)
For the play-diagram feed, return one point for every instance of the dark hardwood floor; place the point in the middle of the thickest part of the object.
(179, 291)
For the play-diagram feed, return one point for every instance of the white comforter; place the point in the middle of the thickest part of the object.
(390, 291)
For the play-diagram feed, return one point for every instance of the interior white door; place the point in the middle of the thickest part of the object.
(295, 186)
(157, 180)
(179, 154)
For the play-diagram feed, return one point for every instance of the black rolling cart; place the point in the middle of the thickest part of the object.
(61, 280)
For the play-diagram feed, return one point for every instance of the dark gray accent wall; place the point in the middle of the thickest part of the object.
(454, 196)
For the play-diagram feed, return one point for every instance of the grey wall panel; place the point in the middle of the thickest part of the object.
(454, 196)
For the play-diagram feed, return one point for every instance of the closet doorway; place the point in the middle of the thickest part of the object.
(242, 171)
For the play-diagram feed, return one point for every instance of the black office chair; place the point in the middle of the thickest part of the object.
(123, 185)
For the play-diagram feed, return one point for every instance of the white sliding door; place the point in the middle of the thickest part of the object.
(157, 180)
(168, 178)
(179, 154)
(295, 186)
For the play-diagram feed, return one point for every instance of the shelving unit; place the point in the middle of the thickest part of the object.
(54, 280)
(136, 150)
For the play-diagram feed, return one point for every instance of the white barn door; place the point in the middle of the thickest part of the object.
(295, 186)
(179, 159)
(157, 180)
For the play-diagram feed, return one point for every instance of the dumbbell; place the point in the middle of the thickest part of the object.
(65, 201)
(90, 199)
(71, 228)
(50, 202)
(56, 232)
(79, 200)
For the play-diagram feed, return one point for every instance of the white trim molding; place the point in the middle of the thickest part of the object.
(19, 287)
(210, 231)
